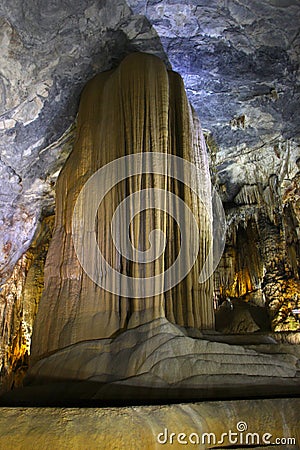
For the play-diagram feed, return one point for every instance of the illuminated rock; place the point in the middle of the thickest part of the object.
(139, 107)
(133, 348)
(19, 299)
(248, 424)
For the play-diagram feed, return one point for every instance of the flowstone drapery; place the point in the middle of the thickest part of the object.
(139, 107)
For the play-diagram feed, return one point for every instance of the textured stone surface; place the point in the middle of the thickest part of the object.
(138, 107)
(237, 61)
(19, 299)
(240, 65)
(261, 260)
(160, 357)
(137, 428)
(75, 314)
(48, 52)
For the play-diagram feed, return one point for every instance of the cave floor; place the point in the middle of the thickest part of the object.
(259, 424)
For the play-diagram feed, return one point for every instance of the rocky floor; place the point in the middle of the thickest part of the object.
(258, 424)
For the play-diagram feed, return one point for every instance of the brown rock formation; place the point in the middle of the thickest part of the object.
(261, 259)
(139, 107)
(157, 361)
(19, 299)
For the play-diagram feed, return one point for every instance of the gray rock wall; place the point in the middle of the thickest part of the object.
(240, 65)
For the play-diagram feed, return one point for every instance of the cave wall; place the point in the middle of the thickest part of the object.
(239, 65)
(138, 107)
(19, 300)
(261, 257)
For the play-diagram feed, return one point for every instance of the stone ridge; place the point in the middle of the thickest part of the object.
(49, 51)
(159, 357)
(137, 427)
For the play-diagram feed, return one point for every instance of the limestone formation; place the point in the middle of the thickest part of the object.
(261, 258)
(158, 361)
(256, 422)
(140, 348)
(253, 424)
(139, 107)
(235, 61)
(241, 72)
(19, 299)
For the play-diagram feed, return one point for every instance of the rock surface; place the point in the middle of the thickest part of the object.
(240, 66)
(138, 427)
(139, 108)
(49, 51)
(158, 360)
(19, 299)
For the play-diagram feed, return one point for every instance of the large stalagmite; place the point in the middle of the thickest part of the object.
(139, 107)
(90, 343)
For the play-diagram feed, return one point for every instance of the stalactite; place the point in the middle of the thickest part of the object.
(249, 194)
(240, 271)
(139, 107)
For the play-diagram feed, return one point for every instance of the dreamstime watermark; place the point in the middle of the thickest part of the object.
(107, 177)
(240, 436)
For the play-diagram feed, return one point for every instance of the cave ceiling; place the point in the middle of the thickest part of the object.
(239, 61)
